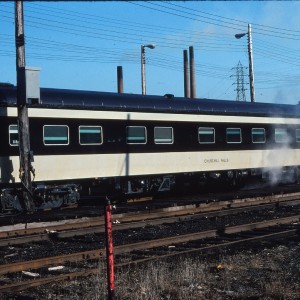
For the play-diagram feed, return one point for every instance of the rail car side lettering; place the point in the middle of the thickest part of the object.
(216, 160)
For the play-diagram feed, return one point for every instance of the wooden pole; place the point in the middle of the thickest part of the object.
(23, 122)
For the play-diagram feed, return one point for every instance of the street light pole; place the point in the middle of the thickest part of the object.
(251, 73)
(251, 70)
(143, 66)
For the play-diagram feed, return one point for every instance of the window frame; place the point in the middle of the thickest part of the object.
(9, 133)
(90, 126)
(214, 133)
(240, 134)
(68, 135)
(297, 130)
(164, 143)
(287, 136)
(264, 130)
(134, 143)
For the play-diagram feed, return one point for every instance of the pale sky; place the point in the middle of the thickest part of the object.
(78, 45)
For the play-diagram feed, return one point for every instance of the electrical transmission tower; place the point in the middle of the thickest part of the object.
(240, 83)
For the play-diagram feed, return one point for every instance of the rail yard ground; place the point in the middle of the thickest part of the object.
(248, 267)
(265, 271)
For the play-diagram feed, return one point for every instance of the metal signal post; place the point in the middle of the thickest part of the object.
(109, 251)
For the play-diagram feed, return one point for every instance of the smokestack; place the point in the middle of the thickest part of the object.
(192, 72)
(186, 74)
(120, 79)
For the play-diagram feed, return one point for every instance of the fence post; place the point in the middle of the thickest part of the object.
(109, 251)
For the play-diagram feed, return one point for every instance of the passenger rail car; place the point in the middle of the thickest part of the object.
(105, 143)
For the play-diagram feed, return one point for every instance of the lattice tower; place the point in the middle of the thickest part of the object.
(240, 82)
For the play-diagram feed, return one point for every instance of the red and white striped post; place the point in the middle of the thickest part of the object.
(109, 251)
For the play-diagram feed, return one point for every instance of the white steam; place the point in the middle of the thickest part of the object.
(279, 162)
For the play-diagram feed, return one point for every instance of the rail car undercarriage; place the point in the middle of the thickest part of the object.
(44, 196)
(56, 195)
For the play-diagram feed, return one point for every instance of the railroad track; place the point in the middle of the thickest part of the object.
(149, 250)
(144, 249)
(58, 230)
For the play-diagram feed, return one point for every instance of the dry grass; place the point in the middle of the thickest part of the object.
(176, 280)
(269, 274)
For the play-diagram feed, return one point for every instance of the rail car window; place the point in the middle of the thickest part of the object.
(13, 135)
(206, 135)
(56, 135)
(233, 135)
(281, 135)
(163, 135)
(136, 135)
(90, 135)
(298, 135)
(258, 135)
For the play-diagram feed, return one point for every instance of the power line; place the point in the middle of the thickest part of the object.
(221, 23)
(284, 31)
(126, 34)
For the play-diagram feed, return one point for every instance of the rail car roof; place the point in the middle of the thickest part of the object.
(76, 99)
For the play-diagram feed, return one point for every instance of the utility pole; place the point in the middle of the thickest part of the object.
(251, 73)
(23, 122)
(240, 89)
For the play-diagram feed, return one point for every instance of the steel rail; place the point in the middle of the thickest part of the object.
(74, 275)
(163, 212)
(166, 220)
(96, 225)
(122, 249)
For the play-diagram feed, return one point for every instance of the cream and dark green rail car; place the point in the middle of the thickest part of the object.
(98, 143)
